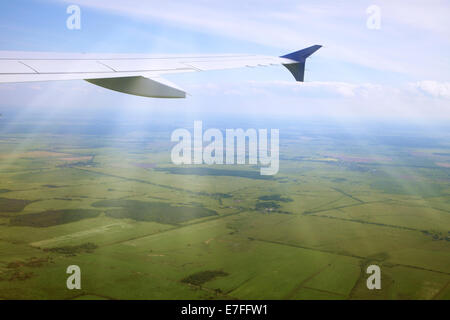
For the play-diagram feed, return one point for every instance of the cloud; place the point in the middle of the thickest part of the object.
(332, 99)
(434, 88)
(325, 88)
(426, 100)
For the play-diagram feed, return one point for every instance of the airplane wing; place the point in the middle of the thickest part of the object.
(136, 74)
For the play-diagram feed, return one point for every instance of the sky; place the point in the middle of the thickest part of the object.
(399, 70)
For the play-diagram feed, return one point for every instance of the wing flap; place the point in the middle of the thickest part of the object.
(141, 86)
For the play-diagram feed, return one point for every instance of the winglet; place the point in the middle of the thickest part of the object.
(297, 67)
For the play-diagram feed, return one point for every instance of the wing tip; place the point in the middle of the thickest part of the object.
(301, 55)
(297, 66)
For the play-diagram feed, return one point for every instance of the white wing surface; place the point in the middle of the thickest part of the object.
(136, 74)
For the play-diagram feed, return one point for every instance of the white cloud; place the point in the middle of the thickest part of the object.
(336, 99)
(343, 89)
(289, 98)
(434, 88)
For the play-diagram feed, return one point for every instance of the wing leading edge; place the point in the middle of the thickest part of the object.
(134, 74)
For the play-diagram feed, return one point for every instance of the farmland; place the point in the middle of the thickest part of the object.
(140, 227)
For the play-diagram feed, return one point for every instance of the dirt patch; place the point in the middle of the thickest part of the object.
(267, 205)
(202, 277)
(83, 158)
(202, 171)
(52, 186)
(14, 270)
(34, 154)
(88, 247)
(361, 159)
(52, 217)
(275, 197)
(443, 164)
(32, 262)
(13, 205)
(144, 165)
(160, 212)
(17, 275)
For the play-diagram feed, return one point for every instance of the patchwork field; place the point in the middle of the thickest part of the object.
(140, 227)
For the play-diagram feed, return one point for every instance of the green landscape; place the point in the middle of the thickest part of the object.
(140, 227)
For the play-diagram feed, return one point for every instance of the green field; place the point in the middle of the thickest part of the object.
(140, 227)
